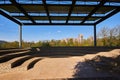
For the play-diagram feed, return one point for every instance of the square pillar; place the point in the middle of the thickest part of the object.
(20, 36)
(95, 40)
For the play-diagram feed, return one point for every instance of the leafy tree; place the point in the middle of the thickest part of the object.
(104, 34)
(109, 36)
(45, 44)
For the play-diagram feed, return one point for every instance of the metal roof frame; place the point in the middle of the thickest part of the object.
(79, 12)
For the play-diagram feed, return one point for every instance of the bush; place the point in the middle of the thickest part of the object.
(45, 44)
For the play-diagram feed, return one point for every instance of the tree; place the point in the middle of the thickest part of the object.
(112, 36)
(118, 35)
(52, 42)
(104, 35)
(45, 44)
(109, 36)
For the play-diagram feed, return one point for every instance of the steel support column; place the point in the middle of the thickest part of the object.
(20, 36)
(95, 41)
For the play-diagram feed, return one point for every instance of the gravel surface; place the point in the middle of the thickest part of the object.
(60, 67)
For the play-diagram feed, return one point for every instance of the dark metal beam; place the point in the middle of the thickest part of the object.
(102, 2)
(71, 7)
(70, 10)
(89, 0)
(60, 16)
(21, 9)
(113, 1)
(46, 9)
(66, 5)
(9, 17)
(87, 24)
(109, 15)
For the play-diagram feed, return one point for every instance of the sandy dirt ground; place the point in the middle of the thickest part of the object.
(61, 67)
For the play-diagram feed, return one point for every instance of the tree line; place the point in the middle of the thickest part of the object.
(109, 36)
(105, 37)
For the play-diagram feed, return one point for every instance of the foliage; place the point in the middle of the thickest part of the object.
(105, 37)
(109, 36)
(45, 44)
(14, 44)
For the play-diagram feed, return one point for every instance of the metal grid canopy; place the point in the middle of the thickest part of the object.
(58, 12)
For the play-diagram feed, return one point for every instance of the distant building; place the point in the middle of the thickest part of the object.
(91, 39)
(75, 40)
(65, 40)
(80, 38)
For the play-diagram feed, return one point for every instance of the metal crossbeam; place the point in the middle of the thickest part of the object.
(21, 9)
(77, 24)
(59, 16)
(66, 5)
(46, 9)
(38, 10)
(109, 15)
(89, 0)
(102, 2)
(70, 10)
(9, 17)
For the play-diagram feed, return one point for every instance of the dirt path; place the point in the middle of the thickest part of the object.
(51, 68)
(46, 69)
(57, 67)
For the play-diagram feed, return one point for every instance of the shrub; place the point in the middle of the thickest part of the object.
(45, 44)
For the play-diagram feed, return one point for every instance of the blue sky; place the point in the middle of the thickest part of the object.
(9, 30)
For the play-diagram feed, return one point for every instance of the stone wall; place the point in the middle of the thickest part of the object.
(71, 51)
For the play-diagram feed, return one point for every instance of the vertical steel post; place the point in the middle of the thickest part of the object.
(95, 41)
(20, 36)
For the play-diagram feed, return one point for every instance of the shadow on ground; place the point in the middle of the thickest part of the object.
(99, 68)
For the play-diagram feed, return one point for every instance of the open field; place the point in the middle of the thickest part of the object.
(54, 63)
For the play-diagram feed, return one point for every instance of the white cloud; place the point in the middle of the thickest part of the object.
(49, 32)
(58, 31)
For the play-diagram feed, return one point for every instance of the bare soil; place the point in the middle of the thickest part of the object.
(57, 67)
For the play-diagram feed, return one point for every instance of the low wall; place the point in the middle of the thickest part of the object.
(6, 51)
(74, 51)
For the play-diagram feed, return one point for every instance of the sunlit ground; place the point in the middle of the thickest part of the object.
(59, 67)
